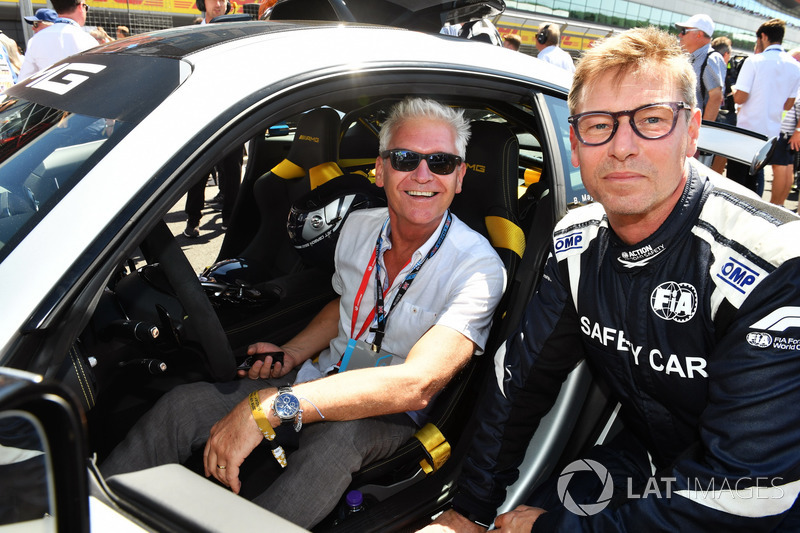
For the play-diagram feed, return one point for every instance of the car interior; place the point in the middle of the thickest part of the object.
(161, 322)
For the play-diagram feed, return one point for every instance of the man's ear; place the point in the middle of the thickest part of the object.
(379, 172)
(573, 143)
(460, 173)
(695, 121)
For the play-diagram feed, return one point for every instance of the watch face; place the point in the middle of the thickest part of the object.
(286, 405)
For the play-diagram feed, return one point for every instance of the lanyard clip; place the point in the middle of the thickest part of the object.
(378, 340)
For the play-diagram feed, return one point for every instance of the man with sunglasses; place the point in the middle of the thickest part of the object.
(709, 66)
(417, 288)
(42, 19)
(679, 288)
(63, 38)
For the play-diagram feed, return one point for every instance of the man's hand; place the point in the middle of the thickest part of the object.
(230, 441)
(520, 519)
(452, 522)
(794, 141)
(264, 369)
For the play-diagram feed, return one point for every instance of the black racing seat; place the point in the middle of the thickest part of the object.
(488, 199)
(358, 147)
(311, 161)
(289, 292)
(488, 204)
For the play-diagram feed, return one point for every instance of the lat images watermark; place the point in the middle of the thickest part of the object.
(585, 509)
(710, 492)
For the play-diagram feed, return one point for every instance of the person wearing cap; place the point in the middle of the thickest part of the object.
(766, 86)
(43, 18)
(709, 66)
(61, 39)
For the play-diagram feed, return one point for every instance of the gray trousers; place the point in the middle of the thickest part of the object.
(317, 474)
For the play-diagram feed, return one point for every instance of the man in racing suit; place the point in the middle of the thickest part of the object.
(680, 289)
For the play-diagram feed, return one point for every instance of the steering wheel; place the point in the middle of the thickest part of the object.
(201, 319)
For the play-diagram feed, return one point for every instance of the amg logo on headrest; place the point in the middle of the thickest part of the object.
(309, 138)
(477, 168)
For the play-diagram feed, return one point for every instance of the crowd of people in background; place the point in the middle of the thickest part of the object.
(756, 93)
(57, 33)
(760, 94)
(753, 94)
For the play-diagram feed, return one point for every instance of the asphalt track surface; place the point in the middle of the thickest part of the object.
(201, 251)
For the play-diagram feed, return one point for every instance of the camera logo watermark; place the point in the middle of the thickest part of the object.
(746, 496)
(585, 465)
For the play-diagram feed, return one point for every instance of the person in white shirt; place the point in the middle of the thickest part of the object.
(64, 38)
(440, 282)
(766, 86)
(547, 41)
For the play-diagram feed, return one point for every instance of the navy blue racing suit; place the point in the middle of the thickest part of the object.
(696, 331)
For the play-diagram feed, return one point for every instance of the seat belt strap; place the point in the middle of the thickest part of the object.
(288, 170)
(436, 448)
(505, 234)
(323, 173)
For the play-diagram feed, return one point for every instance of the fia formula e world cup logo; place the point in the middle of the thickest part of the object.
(585, 509)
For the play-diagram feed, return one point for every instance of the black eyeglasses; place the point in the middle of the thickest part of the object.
(651, 121)
(440, 163)
(684, 31)
(85, 7)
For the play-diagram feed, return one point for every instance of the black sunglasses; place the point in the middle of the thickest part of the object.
(440, 163)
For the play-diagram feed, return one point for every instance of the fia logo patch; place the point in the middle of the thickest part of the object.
(674, 301)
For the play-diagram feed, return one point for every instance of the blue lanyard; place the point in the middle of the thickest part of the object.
(61, 20)
(381, 315)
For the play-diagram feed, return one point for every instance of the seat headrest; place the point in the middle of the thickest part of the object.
(316, 140)
(488, 199)
(492, 161)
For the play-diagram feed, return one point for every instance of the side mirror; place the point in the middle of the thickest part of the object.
(43, 474)
(763, 156)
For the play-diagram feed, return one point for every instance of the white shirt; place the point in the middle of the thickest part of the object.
(62, 39)
(769, 78)
(459, 287)
(558, 57)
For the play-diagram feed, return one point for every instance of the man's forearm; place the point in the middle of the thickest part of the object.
(317, 335)
(368, 392)
(740, 97)
(712, 107)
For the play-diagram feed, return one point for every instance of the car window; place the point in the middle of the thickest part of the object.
(576, 192)
(44, 151)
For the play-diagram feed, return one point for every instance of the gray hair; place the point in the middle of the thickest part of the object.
(424, 108)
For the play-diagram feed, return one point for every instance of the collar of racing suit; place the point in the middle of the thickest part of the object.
(656, 247)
